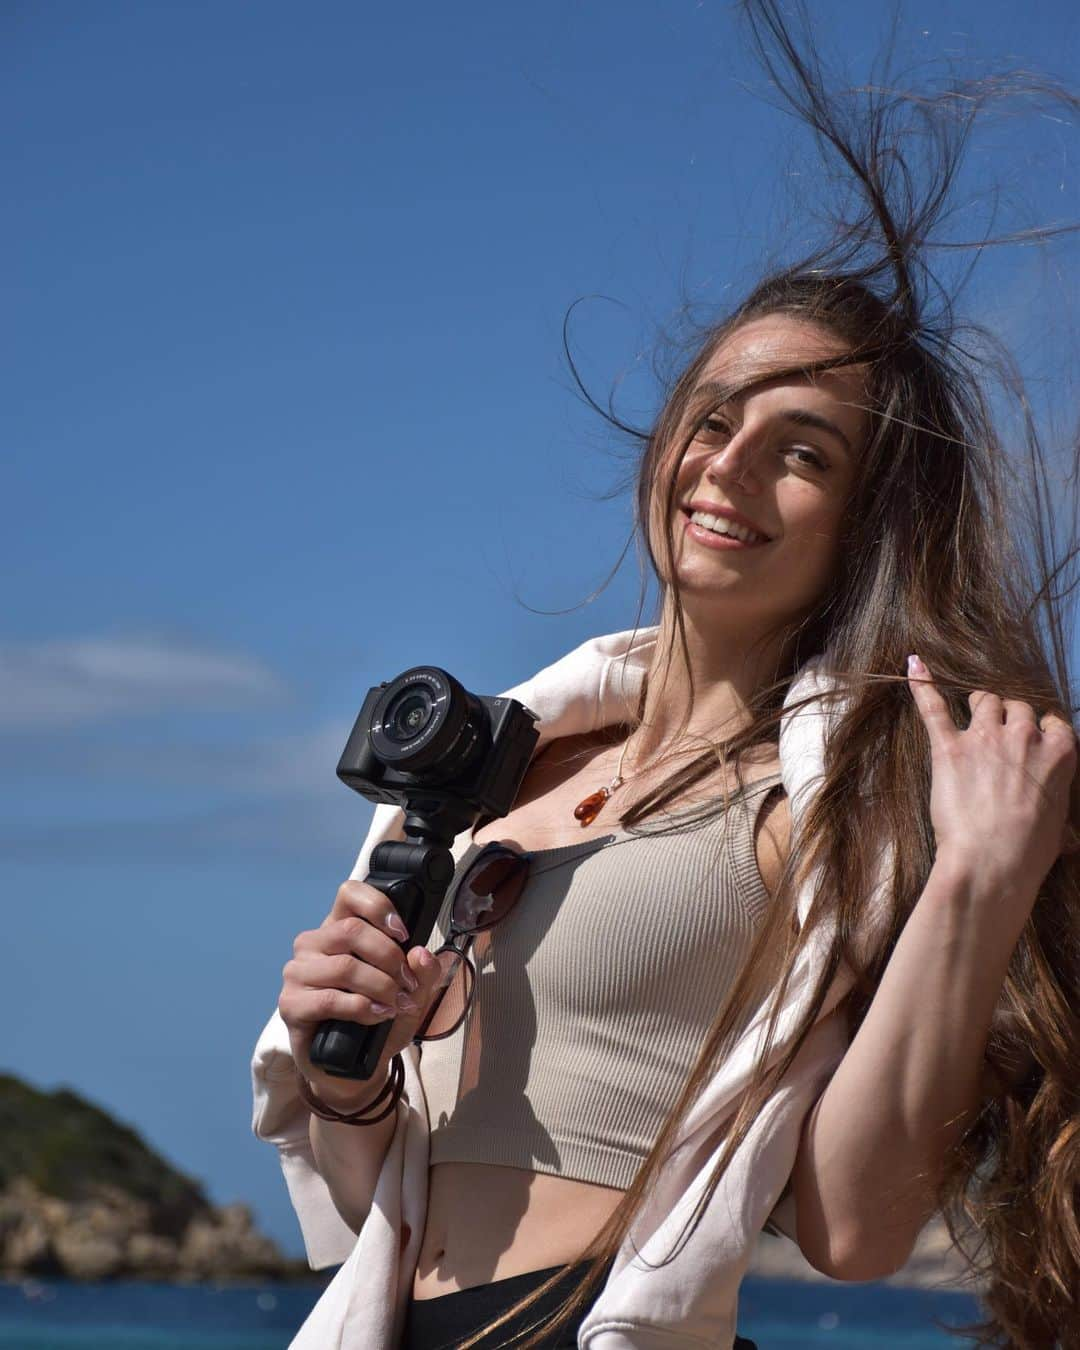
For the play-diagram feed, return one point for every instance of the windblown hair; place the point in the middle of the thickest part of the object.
(949, 549)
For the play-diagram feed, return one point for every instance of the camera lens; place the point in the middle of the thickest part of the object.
(427, 725)
(408, 714)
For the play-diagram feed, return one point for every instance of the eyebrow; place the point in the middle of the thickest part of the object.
(801, 417)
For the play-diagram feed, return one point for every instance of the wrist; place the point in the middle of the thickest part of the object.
(972, 890)
(346, 1094)
(977, 879)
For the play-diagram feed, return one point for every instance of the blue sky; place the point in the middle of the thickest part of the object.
(287, 413)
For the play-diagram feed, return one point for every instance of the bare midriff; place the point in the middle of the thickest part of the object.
(489, 1222)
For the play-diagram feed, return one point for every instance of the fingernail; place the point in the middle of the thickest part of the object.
(397, 927)
(409, 980)
(914, 665)
(427, 961)
(381, 1008)
(406, 1004)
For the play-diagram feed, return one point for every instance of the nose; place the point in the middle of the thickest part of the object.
(732, 463)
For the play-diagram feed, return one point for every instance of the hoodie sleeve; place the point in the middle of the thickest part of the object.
(663, 1294)
(281, 1118)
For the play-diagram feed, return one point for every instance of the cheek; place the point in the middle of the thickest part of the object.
(810, 516)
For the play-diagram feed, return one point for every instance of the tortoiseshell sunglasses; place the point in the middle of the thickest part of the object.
(487, 892)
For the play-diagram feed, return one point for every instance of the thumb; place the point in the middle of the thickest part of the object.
(933, 709)
(429, 972)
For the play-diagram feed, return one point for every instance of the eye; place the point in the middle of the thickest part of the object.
(813, 460)
(715, 425)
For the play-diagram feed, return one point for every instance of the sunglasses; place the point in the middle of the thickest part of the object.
(486, 894)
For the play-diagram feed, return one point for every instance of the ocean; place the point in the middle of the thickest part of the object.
(777, 1314)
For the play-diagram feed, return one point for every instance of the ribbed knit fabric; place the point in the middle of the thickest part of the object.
(594, 994)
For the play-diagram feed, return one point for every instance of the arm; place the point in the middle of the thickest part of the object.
(353, 967)
(873, 1147)
(910, 1084)
(350, 1157)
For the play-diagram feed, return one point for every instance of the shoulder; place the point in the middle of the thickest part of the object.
(772, 838)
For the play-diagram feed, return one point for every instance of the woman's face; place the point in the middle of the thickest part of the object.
(779, 458)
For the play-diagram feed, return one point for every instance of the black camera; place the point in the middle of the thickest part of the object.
(446, 757)
(423, 742)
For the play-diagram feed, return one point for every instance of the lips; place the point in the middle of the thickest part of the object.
(726, 513)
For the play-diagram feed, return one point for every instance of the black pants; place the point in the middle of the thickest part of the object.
(441, 1323)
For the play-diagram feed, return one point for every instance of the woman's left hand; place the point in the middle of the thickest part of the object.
(999, 798)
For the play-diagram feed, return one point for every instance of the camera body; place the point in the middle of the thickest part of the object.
(422, 740)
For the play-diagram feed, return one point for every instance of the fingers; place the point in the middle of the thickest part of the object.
(1018, 713)
(1060, 736)
(352, 968)
(424, 966)
(429, 972)
(988, 710)
(356, 897)
(317, 970)
(406, 1024)
(933, 709)
(1053, 724)
(306, 1006)
(354, 937)
(986, 707)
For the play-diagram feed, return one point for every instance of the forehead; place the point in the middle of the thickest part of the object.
(778, 342)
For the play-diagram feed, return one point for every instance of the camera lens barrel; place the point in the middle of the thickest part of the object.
(425, 720)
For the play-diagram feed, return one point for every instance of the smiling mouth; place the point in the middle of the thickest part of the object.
(712, 528)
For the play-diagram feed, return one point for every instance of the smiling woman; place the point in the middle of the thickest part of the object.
(771, 455)
(818, 971)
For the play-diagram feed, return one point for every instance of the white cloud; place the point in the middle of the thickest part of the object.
(271, 764)
(65, 683)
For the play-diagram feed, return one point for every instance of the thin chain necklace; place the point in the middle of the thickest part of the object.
(589, 807)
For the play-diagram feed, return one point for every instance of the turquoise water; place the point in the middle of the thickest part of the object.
(778, 1315)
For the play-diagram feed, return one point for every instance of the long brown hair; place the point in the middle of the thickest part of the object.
(949, 549)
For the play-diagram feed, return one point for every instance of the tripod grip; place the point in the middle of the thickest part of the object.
(348, 1049)
(415, 878)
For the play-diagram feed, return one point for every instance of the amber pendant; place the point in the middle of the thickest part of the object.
(589, 807)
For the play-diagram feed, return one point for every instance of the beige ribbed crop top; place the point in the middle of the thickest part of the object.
(594, 994)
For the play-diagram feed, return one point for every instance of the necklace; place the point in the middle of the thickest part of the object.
(589, 807)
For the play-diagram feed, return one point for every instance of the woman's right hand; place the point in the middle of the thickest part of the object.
(352, 968)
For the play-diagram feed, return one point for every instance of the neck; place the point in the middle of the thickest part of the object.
(727, 663)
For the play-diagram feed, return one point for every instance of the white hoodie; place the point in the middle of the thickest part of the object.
(693, 1300)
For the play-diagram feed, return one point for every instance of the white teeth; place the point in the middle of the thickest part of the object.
(721, 525)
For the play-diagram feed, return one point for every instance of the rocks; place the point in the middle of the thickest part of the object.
(111, 1237)
(151, 1257)
(83, 1197)
(227, 1246)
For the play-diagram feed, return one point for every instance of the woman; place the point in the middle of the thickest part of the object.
(822, 488)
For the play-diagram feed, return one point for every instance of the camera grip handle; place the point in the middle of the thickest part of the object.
(348, 1049)
(414, 877)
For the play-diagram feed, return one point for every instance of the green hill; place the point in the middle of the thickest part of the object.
(69, 1148)
(83, 1196)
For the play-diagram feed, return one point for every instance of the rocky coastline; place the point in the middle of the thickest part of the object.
(82, 1197)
